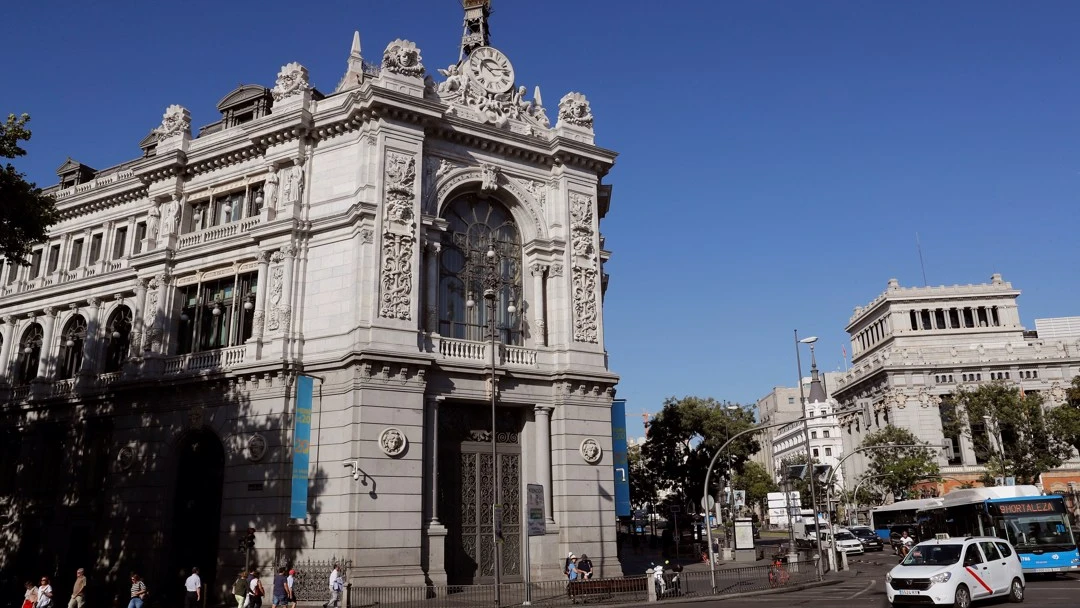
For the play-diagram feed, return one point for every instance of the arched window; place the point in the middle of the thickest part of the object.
(29, 353)
(117, 338)
(71, 348)
(475, 226)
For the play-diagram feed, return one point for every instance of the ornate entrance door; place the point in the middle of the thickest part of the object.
(467, 491)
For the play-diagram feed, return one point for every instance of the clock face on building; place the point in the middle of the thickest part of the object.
(491, 70)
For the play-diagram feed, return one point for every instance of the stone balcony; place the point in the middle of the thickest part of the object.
(453, 349)
(222, 360)
(217, 233)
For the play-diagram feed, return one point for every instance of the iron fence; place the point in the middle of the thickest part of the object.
(627, 590)
(313, 578)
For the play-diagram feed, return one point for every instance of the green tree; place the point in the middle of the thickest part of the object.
(1012, 432)
(643, 490)
(1064, 420)
(756, 481)
(901, 468)
(682, 438)
(802, 485)
(25, 213)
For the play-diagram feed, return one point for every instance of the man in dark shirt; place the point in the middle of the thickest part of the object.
(585, 566)
(281, 597)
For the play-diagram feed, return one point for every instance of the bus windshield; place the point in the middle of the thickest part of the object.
(1034, 524)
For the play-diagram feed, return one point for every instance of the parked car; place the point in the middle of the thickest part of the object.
(870, 540)
(955, 572)
(845, 541)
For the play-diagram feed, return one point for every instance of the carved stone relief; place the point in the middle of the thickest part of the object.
(574, 109)
(467, 98)
(393, 442)
(399, 240)
(176, 121)
(256, 447)
(583, 268)
(402, 57)
(591, 451)
(276, 291)
(292, 80)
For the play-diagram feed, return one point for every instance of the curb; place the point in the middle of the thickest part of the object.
(732, 596)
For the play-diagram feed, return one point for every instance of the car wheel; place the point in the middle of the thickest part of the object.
(1016, 591)
(963, 597)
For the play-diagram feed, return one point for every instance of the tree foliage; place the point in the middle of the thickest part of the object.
(683, 437)
(1020, 440)
(643, 490)
(25, 213)
(900, 468)
(1064, 420)
(802, 485)
(754, 478)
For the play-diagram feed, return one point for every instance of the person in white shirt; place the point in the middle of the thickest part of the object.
(193, 588)
(44, 593)
(336, 586)
(291, 582)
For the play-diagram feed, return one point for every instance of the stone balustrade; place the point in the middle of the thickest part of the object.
(471, 350)
(217, 232)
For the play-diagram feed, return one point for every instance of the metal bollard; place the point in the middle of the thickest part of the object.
(843, 560)
(650, 584)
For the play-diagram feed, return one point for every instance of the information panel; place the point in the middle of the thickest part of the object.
(301, 447)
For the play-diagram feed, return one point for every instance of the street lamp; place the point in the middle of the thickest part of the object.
(708, 474)
(806, 429)
(488, 275)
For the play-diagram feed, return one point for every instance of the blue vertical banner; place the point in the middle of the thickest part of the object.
(618, 450)
(301, 456)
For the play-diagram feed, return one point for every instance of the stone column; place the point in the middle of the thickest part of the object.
(432, 449)
(47, 325)
(92, 342)
(258, 319)
(5, 350)
(431, 313)
(966, 447)
(540, 335)
(543, 457)
(434, 530)
(135, 344)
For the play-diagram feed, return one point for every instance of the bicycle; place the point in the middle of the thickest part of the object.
(778, 575)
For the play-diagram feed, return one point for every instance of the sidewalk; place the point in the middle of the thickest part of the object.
(636, 562)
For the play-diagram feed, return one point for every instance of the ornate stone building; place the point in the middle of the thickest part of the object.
(912, 347)
(150, 350)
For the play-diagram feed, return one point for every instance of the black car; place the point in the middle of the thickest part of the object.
(870, 540)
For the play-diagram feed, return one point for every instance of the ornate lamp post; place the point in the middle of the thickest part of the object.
(487, 273)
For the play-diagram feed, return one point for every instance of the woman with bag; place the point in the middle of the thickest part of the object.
(30, 597)
(138, 591)
(256, 591)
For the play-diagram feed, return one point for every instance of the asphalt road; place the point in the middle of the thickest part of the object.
(864, 587)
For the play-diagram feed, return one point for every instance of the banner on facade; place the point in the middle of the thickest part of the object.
(301, 457)
(535, 506)
(618, 453)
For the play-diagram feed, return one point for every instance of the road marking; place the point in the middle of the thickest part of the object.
(873, 583)
(985, 586)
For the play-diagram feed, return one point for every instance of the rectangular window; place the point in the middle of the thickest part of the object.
(815, 456)
(969, 319)
(13, 272)
(825, 434)
(954, 318)
(939, 316)
(120, 243)
(35, 264)
(914, 320)
(255, 201)
(75, 260)
(994, 316)
(813, 434)
(95, 249)
(140, 234)
(214, 315)
(790, 400)
(925, 315)
(828, 451)
(54, 259)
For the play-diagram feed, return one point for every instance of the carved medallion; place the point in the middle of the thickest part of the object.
(256, 447)
(125, 458)
(393, 442)
(591, 451)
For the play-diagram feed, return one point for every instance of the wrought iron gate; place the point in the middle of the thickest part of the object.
(467, 490)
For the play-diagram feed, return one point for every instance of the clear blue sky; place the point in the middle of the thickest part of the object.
(776, 158)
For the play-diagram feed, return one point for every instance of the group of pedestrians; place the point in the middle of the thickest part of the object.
(41, 595)
(577, 569)
(249, 591)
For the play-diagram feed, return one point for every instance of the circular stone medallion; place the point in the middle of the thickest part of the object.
(591, 451)
(393, 442)
(256, 447)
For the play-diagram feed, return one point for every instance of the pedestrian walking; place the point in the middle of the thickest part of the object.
(192, 589)
(239, 588)
(30, 596)
(280, 590)
(138, 591)
(44, 593)
(255, 591)
(336, 586)
(78, 590)
(290, 584)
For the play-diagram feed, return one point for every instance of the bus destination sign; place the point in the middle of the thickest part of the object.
(1034, 507)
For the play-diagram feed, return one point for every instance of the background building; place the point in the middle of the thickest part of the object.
(782, 404)
(913, 345)
(151, 350)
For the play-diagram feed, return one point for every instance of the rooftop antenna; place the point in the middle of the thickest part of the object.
(922, 264)
(476, 26)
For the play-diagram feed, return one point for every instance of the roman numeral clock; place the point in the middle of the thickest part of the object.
(491, 70)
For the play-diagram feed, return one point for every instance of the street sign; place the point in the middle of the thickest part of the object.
(708, 502)
(740, 498)
(535, 506)
(675, 508)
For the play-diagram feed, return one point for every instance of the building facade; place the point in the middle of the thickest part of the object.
(368, 237)
(912, 346)
(785, 442)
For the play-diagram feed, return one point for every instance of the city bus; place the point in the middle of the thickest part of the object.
(901, 512)
(1036, 525)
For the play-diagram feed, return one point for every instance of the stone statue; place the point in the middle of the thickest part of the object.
(176, 121)
(294, 183)
(574, 109)
(270, 189)
(170, 215)
(153, 218)
(454, 79)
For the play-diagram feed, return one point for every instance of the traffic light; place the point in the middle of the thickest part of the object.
(796, 471)
(249, 540)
